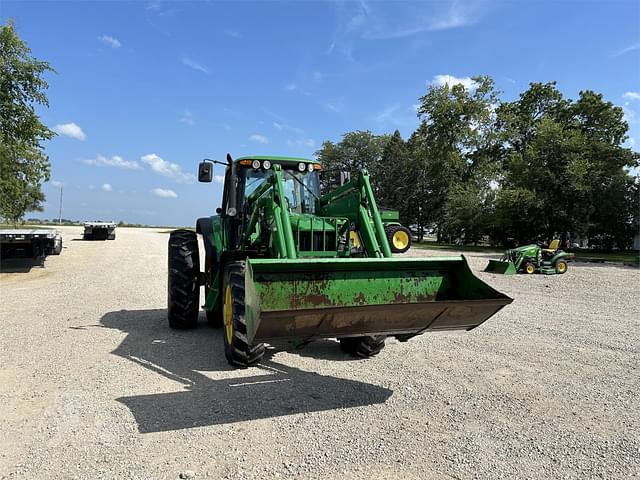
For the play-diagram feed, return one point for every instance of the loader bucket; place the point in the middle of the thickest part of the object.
(500, 266)
(319, 298)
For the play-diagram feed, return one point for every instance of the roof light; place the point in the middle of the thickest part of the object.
(302, 167)
(310, 167)
(256, 164)
(266, 164)
(317, 166)
(245, 163)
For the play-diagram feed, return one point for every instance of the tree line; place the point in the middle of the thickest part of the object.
(510, 172)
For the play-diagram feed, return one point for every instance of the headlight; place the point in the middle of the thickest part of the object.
(310, 167)
(255, 164)
(266, 164)
(302, 167)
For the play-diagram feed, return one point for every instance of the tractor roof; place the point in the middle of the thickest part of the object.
(277, 159)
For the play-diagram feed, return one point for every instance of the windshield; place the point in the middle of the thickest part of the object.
(300, 188)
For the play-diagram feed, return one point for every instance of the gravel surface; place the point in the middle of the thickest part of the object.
(93, 384)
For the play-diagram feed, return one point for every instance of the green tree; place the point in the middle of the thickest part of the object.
(356, 151)
(563, 161)
(393, 174)
(23, 163)
(453, 148)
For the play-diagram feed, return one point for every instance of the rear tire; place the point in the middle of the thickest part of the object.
(363, 347)
(399, 238)
(236, 346)
(182, 284)
(561, 266)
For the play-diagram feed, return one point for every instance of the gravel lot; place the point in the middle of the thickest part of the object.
(93, 384)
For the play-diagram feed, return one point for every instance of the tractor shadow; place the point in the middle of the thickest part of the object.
(213, 392)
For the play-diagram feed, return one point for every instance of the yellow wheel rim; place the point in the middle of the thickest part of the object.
(562, 267)
(227, 313)
(355, 239)
(530, 269)
(400, 239)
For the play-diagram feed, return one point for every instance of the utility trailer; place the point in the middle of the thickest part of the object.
(30, 243)
(99, 231)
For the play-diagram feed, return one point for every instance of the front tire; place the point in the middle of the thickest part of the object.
(236, 345)
(529, 268)
(183, 287)
(561, 266)
(363, 347)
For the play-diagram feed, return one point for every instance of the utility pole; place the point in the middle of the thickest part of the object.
(60, 213)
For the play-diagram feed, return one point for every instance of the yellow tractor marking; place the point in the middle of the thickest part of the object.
(228, 314)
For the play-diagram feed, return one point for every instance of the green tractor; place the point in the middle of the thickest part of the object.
(532, 259)
(398, 236)
(280, 265)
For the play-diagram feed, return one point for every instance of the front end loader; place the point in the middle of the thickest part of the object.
(280, 264)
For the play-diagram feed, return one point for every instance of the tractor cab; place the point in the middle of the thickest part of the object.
(300, 181)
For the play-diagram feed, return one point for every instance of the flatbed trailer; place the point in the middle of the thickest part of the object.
(99, 231)
(34, 243)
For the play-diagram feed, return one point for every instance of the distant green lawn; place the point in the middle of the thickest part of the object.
(626, 257)
(457, 248)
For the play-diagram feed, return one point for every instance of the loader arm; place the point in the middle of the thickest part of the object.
(354, 200)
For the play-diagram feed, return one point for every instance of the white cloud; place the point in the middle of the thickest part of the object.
(110, 41)
(70, 130)
(167, 169)
(630, 48)
(92, 187)
(629, 115)
(195, 65)
(107, 187)
(317, 76)
(442, 80)
(302, 142)
(631, 95)
(187, 118)
(115, 161)
(332, 107)
(232, 33)
(256, 137)
(277, 125)
(164, 193)
(218, 178)
(290, 87)
(384, 21)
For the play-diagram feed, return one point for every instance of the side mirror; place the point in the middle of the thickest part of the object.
(205, 172)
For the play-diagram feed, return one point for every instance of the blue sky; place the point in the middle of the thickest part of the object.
(144, 90)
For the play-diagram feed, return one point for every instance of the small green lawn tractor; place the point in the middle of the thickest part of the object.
(280, 265)
(532, 259)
